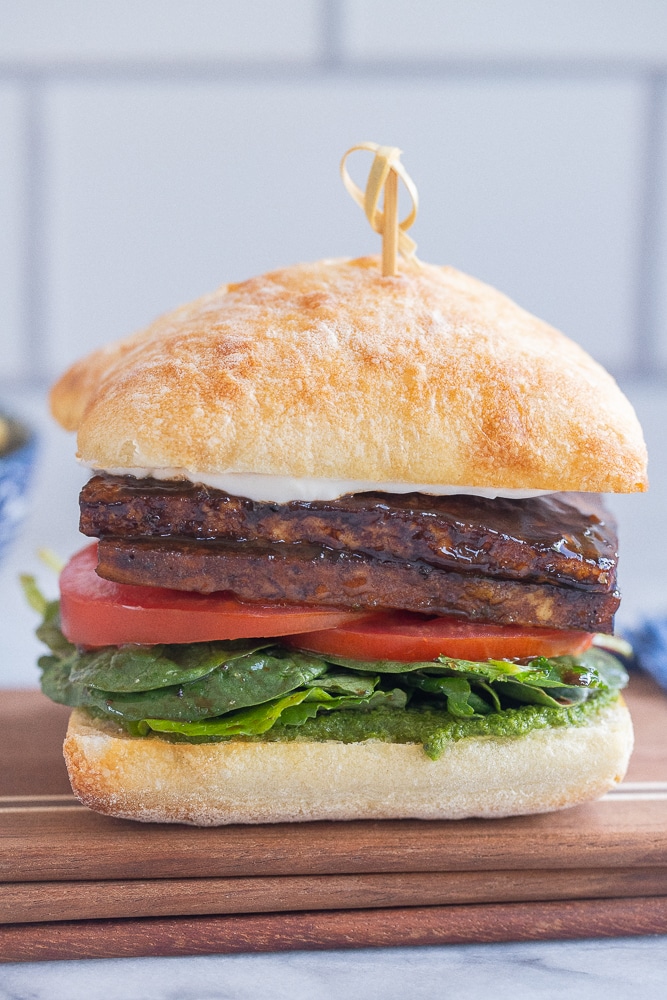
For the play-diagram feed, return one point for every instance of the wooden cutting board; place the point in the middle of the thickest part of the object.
(76, 884)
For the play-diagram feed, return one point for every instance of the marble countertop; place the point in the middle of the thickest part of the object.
(612, 969)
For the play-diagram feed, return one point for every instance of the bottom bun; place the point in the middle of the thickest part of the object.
(211, 784)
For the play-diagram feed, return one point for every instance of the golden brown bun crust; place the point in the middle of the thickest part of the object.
(330, 370)
(152, 780)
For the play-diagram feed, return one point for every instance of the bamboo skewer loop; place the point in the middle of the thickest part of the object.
(384, 174)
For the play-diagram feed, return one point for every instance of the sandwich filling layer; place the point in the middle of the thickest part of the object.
(270, 690)
(540, 561)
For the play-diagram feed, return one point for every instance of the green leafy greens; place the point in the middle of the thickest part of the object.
(260, 689)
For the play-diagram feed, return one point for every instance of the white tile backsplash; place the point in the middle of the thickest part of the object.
(151, 189)
(658, 250)
(160, 193)
(506, 29)
(35, 32)
(12, 231)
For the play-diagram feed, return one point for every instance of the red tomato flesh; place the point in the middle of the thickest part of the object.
(97, 612)
(408, 637)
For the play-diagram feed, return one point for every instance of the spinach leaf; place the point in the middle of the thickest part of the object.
(461, 700)
(251, 679)
(247, 722)
(491, 694)
(378, 666)
(360, 685)
(595, 668)
(56, 683)
(146, 668)
(317, 701)
(49, 632)
(33, 594)
(396, 698)
(532, 695)
(607, 666)
(293, 710)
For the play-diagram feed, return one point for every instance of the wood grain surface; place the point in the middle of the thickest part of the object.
(648, 707)
(30, 902)
(79, 884)
(31, 739)
(50, 842)
(434, 925)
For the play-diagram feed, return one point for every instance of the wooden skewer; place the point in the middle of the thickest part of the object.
(390, 225)
(384, 176)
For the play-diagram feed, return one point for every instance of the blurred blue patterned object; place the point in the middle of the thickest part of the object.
(649, 642)
(17, 460)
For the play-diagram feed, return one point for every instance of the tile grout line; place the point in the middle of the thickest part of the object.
(331, 32)
(331, 56)
(650, 204)
(33, 255)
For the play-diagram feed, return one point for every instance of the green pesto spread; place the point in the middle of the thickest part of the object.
(433, 728)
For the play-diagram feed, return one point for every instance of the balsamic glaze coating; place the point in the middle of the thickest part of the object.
(310, 574)
(565, 539)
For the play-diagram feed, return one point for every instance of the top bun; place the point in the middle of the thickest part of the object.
(330, 370)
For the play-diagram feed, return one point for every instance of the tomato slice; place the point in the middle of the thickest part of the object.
(97, 612)
(408, 637)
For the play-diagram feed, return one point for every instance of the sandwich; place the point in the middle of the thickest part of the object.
(347, 557)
